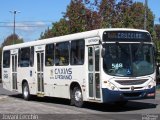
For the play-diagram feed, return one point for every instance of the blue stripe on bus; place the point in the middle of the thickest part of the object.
(113, 96)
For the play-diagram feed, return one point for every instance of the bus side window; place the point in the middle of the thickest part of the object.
(32, 57)
(25, 57)
(19, 57)
(6, 59)
(77, 52)
(62, 54)
(49, 59)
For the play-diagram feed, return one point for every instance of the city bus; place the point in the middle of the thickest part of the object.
(112, 65)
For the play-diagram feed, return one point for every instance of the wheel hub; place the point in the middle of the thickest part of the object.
(78, 95)
(25, 91)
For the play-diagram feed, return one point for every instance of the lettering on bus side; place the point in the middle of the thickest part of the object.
(63, 73)
(92, 41)
(5, 76)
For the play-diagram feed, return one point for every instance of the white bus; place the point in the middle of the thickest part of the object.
(103, 66)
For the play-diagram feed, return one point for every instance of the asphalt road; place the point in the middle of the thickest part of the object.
(47, 108)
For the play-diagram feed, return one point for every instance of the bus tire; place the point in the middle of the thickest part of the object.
(72, 98)
(25, 91)
(77, 97)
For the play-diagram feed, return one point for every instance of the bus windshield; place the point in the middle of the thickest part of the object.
(126, 59)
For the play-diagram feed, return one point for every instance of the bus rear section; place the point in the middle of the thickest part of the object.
(6, 71)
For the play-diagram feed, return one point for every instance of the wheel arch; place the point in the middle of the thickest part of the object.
(73, 101)
(74, 84)
(25, 90)
(23, 82)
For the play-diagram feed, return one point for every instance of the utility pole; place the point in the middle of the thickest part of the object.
(14, 21)
(145, 15)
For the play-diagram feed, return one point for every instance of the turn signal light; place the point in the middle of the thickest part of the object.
(151, 94)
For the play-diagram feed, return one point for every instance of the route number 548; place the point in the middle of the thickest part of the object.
(117, 65)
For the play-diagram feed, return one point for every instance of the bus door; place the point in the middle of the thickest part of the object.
(94, 72)
(40, 71)
(14, 54)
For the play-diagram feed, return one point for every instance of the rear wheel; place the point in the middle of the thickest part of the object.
(77, 97)
(25, 91)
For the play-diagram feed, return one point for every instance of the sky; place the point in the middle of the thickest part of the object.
(35, 16)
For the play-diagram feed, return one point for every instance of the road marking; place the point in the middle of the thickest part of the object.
(3, 97)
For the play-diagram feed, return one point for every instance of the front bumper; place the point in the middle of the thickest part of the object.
(114, 96)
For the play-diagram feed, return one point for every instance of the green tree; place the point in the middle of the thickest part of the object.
(157, 30)
(77, 18)
(84, 15)
(107, 13)
(81, 16)
(157, 39)
(123, 17)
(9, 41)
(60, 28)
(12, 39)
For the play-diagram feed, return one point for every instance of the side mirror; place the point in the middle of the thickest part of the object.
(103, 52)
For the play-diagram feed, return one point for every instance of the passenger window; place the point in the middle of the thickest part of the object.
(77, 52)
(62, 54)
(6, 59)
(32, 57)
(25, 57)
(49, 59)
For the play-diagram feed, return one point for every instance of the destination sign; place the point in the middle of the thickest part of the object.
(126, 36)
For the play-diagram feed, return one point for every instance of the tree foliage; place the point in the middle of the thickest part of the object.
(84, 15)
(157, 39)
(157, 30)
(12, 39)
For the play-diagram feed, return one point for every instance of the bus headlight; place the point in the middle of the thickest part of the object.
(151, 85)
(111, 86)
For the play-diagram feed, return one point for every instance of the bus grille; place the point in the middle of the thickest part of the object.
(136, 94)
(131, 82)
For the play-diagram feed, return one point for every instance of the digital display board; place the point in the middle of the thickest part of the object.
(126, 36)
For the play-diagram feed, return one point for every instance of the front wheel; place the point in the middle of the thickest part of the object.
(25, 91)
(77, 97)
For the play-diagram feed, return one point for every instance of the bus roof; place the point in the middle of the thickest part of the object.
(75, 36)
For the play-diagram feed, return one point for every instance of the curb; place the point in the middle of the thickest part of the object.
(3, 97)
